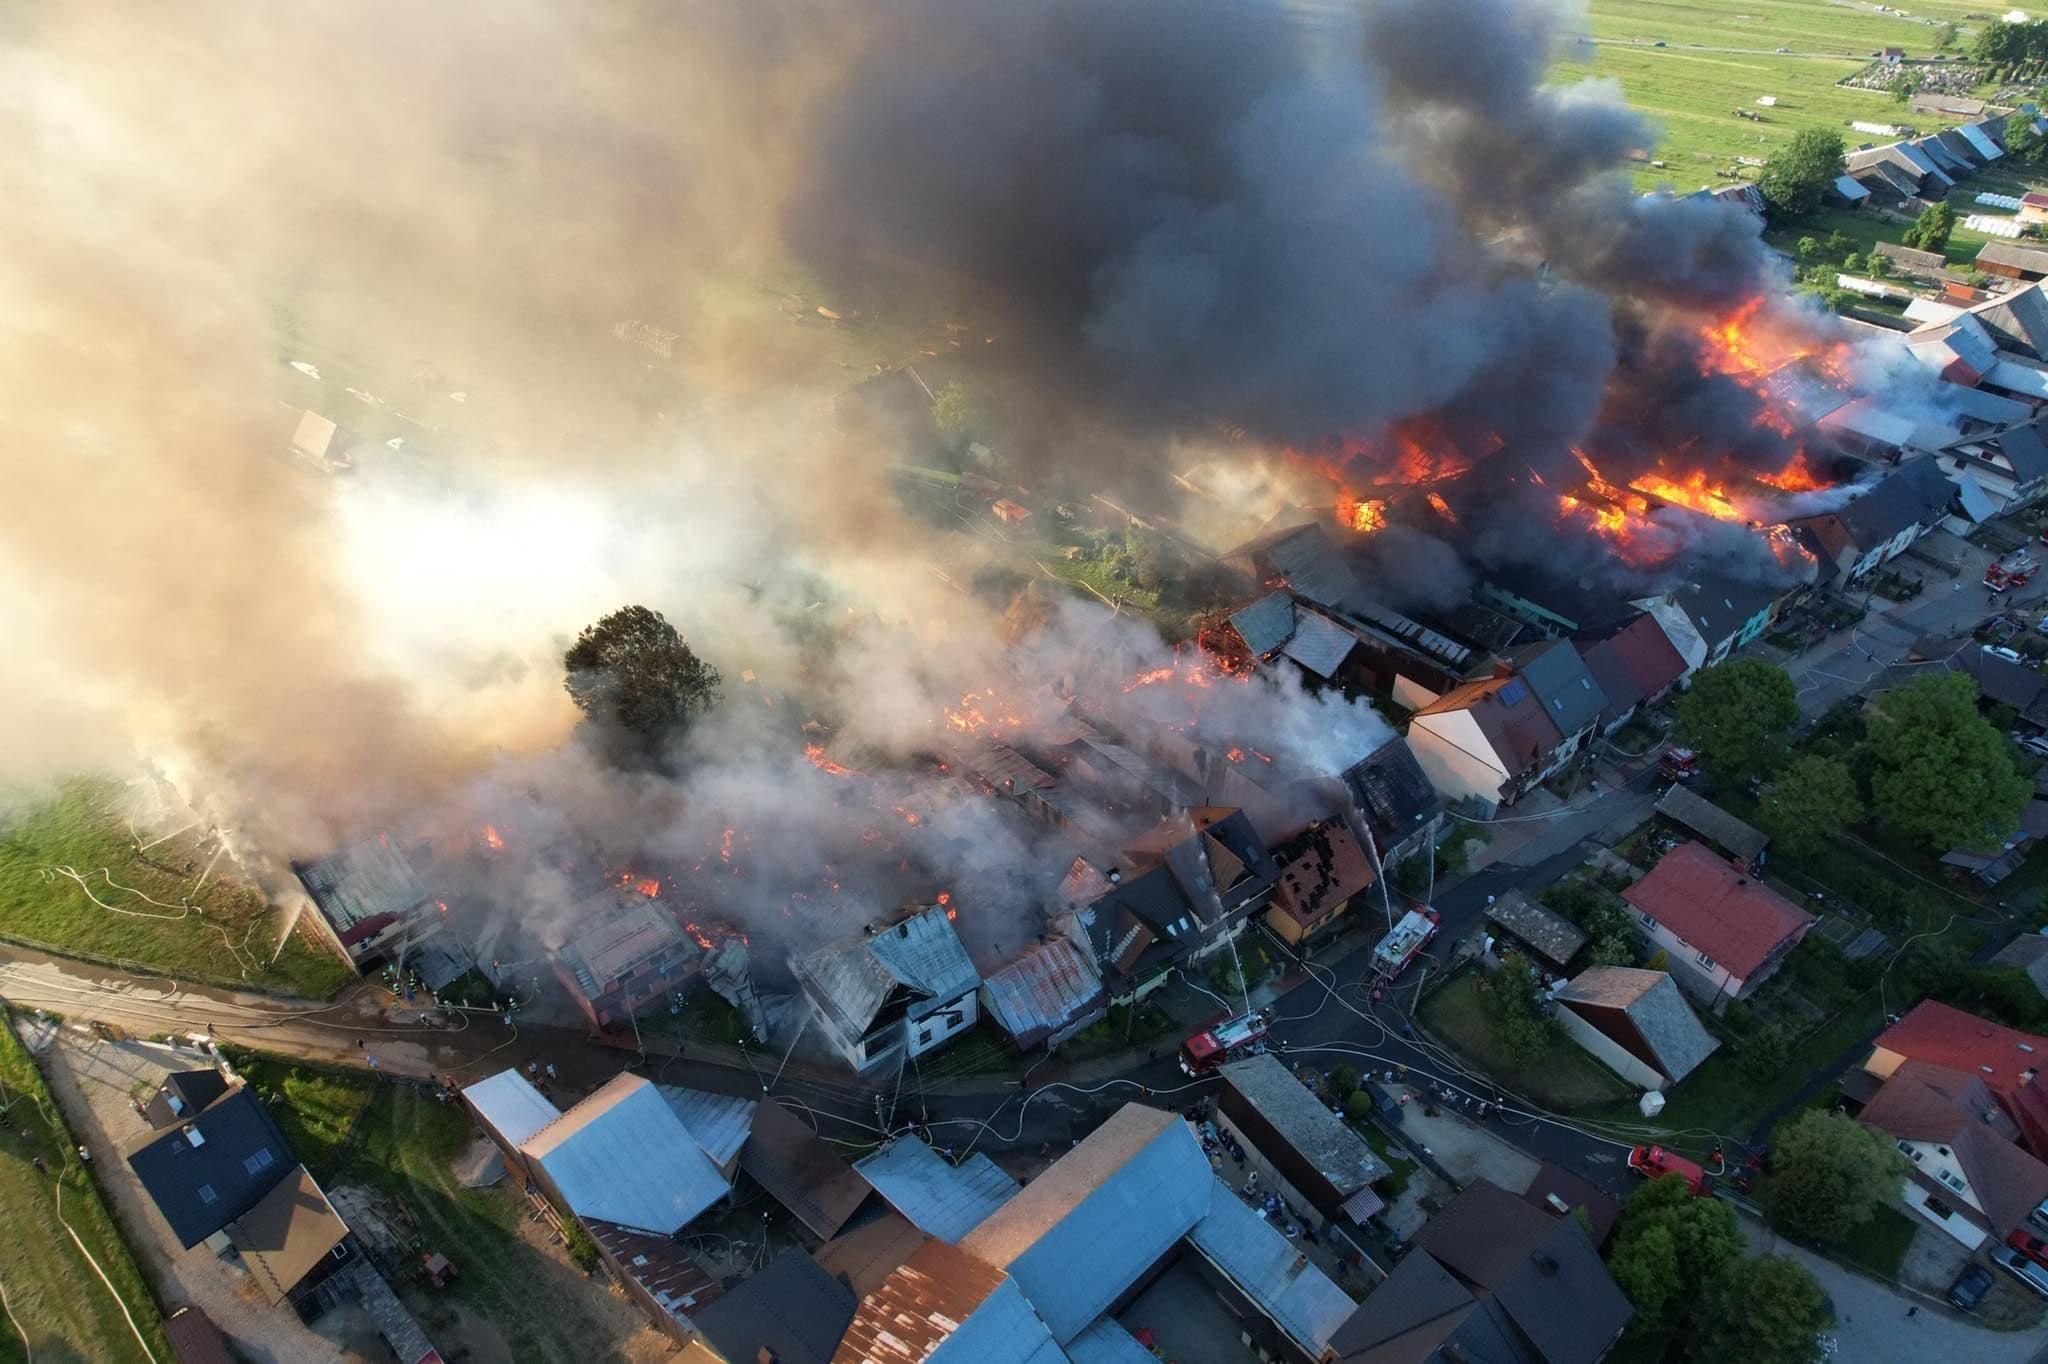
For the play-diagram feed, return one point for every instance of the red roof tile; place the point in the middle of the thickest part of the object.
(1635, 663)
(1718, 908)
(1944, 1036)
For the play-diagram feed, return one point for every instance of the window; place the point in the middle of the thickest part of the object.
(1648, 922)
(1704, 960)
(206, 1193)
(262, 1160)
(1936, 1208)
(924, 1037)
(1953, 1180)
(340, 1252)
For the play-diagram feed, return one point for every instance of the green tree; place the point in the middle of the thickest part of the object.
(1931, 229)
(632, 672)
(1829, 1176)
(1511, 1001)
(1666, 1244)
(1839, 244)
(1738, 717)
(1998, 43)
(1878, 266)
(1938, 771)
(2023, 143)
(1766, 1310)
(1807, 248)
(1794, 180)
(956, 413)
(1764, 1055)
(1853, 263)
(1154, 560)
(1343, 1079)
(1813, 800)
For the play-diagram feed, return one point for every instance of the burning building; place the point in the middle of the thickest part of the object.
(901, 990)
(625, 952)
(375, 908)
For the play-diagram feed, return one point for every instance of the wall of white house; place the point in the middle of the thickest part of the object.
(1702, 977)
(1456, 758)
(1954, 1223)
(952, 1019)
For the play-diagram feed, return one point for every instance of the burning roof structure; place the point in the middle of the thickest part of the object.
(901, 989)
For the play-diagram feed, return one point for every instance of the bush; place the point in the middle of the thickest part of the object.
(581, 1248)
(1359, 1104)
(1764, 1055)
(1343, 1081)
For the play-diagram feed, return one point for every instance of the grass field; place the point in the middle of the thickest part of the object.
(1692, 90)
(541, 1308)
(230, 939)
(1563, 1077)
(50, 1290)
(313, 1107)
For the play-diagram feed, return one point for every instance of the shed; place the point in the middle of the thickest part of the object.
(1713, 824)
(1046, 995)
(624, 1156)
(1311, 1147)
(801, 1171)
(1643, 1014)
(937, 1197)
(1550, 936)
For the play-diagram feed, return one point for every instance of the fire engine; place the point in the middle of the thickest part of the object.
(2010, 572)
(1229, 1040)
(1678, 764)
(1404, 944)
(1654, 1162)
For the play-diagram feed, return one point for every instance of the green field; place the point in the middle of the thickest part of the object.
(229, 939)
(540, 1307)
(1562, 1077)
(1692, 90)
(49, 1288)
(313, 1107)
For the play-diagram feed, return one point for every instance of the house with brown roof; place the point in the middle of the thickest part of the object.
(1969, 1175)
(2006, 1059)
(2012, 261)
(1636, 666)
(1722, 931)
(1488, 741)
(1322, 870)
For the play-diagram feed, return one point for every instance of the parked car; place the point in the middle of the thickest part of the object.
(1384, 1105)
(1969, 1290)
(2021, 1268)
(2035, 744)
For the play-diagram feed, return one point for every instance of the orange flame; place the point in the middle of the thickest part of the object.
(646, 885)
(725, 846)
(1361, 514)
(1695, 491)
(492, 839)
(816, 753)
(1796, 477)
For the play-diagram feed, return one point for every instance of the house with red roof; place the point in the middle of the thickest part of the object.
(1721, 929)
(1969, 1175)
(1636, 666)
(2007, 1060)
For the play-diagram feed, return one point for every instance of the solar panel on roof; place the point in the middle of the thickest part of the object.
(1514, 693)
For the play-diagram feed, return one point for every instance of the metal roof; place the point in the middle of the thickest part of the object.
(1320, 644)
(1107, 1342)
(1846, 186)
(1080, 1234)
(1283, 1283)
(623, 1155)
(619, 931)
(1974, 134)
(361, 882)
(1558, 676)
(943, 1305)
(923, 953)
(792, 1312)
(802, 1171)
(1048, 989)
(1265, 625)
(1319, 1136)
(510, 1106)
(939, 1198)
(719, 1122)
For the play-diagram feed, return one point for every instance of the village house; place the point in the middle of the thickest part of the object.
(375, 908)
(900, 991)
(2007, 1060)
(1049, 993)
(2012, 261)
(1390, 806)
(1969, 1176)
(1558, 675)
(1309, 1155)
(1995, 473)
(2028, 955)
(2033, 208)
(2000, 345)
(1879, 523)
(623, 952)
(1491, 1277)
(1634, 667)
(1488, 742)
(1722, 931)
(1634, 1022)
(1322, 870)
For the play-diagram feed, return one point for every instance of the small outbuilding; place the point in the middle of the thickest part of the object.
(1548, 936)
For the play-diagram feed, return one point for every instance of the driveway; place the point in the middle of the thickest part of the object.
(1871, 1325)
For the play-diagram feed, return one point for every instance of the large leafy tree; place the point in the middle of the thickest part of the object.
(1930, 231)
(1766, 1310)
(958, 416)
(1794, 180)
(1813, 800)
(1667, 1244)
(1999, 43)
(1511, 1001)
(1829, 1176)
(633, 673)
(1738, 717)
(1939, 771)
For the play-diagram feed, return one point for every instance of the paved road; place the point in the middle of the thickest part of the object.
(1871, 1325)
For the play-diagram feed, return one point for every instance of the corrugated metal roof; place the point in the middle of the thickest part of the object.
(1320, 644)
(1974, 134)
(942, 1299)
(1265, 625)
(1081, 1233)
(1847, 187)
(719, 1122)
(1047, 989)
(1299, 1297)
(514, 1109)
(362, 881)
(1364, 1204)
(802, 1171)
(1319, 1136)
(925, 953)
(939, 1198)
(624, 1156)
(1106, 1342)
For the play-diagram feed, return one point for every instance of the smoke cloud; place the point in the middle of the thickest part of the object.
(557, 273)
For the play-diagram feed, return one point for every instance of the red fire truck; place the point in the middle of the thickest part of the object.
(1678, 764)
(1404, 943)
(1654, 1162)
(2012, 571)
(1229, 1040)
